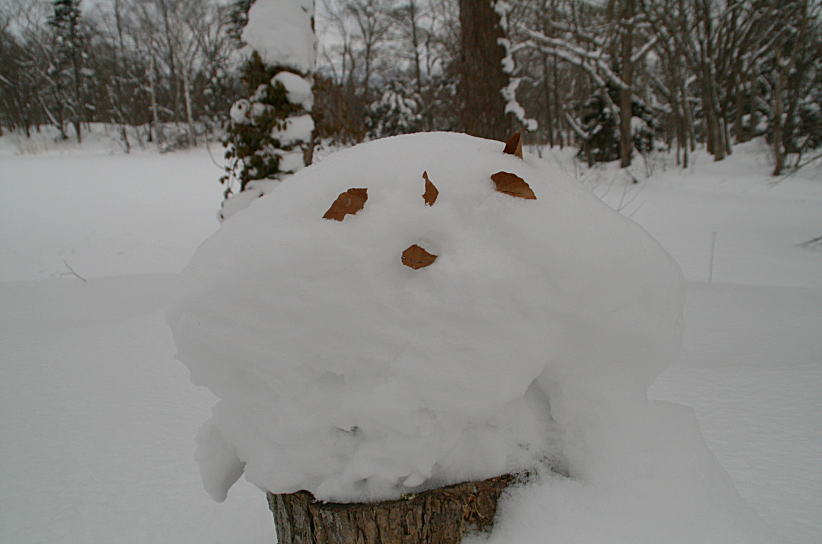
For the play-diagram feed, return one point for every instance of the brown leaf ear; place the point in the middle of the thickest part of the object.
(348, 203)
(514, 145)
(431, 193)
(513, 185)
(416, 257)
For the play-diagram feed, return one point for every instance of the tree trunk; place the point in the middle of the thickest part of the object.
(546, 84)
(626, 34)
(174, 86)
(79, 103)
(482, 78)
(776, 126)
(155, 115)
(739, 127)
(412, 15)
(715, 144)
(192, 132)
(725, 130)
(754, 102)
(438, 516)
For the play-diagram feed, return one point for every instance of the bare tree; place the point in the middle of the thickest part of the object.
(790, 45)
(608, 45)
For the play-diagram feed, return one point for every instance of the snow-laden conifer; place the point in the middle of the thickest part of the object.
(270, 130)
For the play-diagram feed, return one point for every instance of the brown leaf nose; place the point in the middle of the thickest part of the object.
(348, 203)
(416, 257)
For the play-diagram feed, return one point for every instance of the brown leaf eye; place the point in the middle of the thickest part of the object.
(514, 145)
(513, 185)
(431, 193)
(348, 203)
(416, 257)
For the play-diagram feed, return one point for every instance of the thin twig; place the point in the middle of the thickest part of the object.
(813, 243)
(208, 148)
(74, 273)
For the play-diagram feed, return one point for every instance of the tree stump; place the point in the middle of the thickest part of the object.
(437, 516)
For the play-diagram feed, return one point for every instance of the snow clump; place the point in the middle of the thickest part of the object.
(298, 128)
(281, 32)
(298, 89)
(423, 310)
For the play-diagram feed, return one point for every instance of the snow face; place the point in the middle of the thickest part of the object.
(280, 31)
(346, 373)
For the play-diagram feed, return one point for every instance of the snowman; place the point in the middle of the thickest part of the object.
(418, 311)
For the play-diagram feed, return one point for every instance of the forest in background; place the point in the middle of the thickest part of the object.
(609, 78)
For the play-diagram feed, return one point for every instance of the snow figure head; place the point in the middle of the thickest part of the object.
(413, 312)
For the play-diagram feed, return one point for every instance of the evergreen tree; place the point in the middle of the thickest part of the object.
(270, 131)
(251, 138)
(602, 128)
(397, 111)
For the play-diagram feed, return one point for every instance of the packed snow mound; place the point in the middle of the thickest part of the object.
(281, 31)
(345, 371)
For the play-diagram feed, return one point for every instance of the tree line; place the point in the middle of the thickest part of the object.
(613, 78)
(163, 65)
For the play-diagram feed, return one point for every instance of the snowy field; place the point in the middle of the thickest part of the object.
(97, 417)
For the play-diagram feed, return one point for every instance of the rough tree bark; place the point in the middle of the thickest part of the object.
(155, 114)
(482, 78)
(437, 516)
(626, 45)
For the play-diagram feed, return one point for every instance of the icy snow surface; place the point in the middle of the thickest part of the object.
(280, 31)
(97, 418)
(103, 214)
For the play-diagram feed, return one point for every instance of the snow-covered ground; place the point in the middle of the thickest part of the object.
(752, 357)
(103, 213)
(97, 417)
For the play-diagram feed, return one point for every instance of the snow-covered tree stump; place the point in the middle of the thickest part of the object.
(437, 516)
